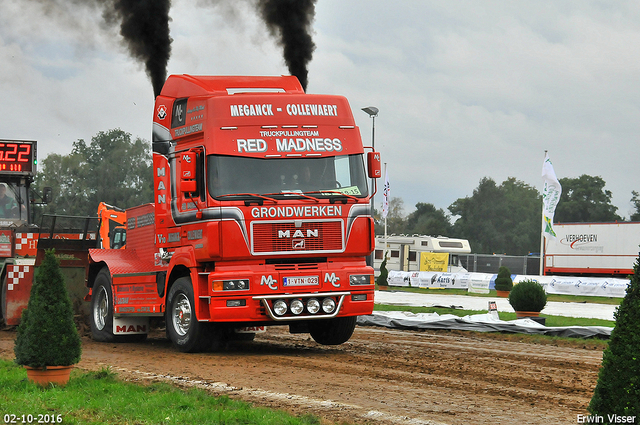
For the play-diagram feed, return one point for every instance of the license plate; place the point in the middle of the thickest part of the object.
(302, 281)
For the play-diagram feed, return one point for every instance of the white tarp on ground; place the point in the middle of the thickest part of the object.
(483, 282)
(478, 323)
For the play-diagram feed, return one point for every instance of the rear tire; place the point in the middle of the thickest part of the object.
(101, 317)
(332, 331)
(183, 329)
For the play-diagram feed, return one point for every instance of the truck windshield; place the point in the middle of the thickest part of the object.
(13, 204)
(318, 177)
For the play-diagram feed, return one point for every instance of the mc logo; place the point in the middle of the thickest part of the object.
(270, 282)
(332, 278)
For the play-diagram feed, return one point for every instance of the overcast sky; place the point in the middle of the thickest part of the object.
(466, 89)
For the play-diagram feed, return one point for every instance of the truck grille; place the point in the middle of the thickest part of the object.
(307, 236)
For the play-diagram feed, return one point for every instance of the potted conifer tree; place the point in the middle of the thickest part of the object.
(503, 283)
(617, 391)
(528, 298)
(47, 341)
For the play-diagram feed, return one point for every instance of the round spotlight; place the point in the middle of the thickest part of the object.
(296, 307)
(328, 305)
(313, 306)
(280, 307)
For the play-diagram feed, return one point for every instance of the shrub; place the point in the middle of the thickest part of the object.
(618, 387)
(384, 273)
(47, 335)
(528, 295)
(503, 281)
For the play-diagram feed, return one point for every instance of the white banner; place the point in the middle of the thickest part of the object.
(550, 196)
(483, 282)
(385, 195)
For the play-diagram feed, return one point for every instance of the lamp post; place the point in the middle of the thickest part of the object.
(372, 111)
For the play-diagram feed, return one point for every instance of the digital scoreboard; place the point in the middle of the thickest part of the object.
(17, 156)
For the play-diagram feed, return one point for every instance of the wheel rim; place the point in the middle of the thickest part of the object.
(181, 314)
(101, 309)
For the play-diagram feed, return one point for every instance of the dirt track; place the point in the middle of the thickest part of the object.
(380, 376)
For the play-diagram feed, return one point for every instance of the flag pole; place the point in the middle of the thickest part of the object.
(386, 244)
(542, 233)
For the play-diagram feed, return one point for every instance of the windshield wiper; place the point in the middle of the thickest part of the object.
(295, 193)
(247, 202)
(336, 195)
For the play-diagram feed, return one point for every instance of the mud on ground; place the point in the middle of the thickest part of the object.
(380, 376)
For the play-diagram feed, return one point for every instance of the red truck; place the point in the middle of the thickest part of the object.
(261, 216)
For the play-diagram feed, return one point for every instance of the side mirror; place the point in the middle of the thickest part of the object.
(47, 195)
(374, 168)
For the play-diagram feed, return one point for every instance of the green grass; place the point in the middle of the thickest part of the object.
(492, 294)
(550, 320)
(101, 398)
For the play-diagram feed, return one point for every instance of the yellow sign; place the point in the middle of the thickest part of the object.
(434, 262)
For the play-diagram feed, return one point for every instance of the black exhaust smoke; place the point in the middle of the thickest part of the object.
(289, 21)
(144, 25)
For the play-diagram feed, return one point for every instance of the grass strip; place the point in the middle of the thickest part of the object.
(492, 294)
(101, 398)
(551, 321)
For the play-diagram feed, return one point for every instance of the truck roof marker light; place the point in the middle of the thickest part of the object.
(347, 127)
(309, 126)
(289, 126)
(240, 90)
(294, 154)
(269, 126)
(228, 128)
(273, 156)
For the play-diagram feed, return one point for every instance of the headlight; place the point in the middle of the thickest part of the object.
(231, 285)
(313, 306)
(360, 279)
(296, 307)
(280, 308)
(328, 305)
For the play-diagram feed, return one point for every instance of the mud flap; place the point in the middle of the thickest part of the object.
(130, 325)
(251, 330)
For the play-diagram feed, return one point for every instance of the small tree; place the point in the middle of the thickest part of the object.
(47, 335)
(503, 281)
(528, 295)
(384, 273)
(618, 387)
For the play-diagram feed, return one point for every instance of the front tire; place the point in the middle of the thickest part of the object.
(183, 328)
(332, 331)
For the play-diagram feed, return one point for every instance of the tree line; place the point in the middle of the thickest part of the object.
(506, 218)
(497, 218)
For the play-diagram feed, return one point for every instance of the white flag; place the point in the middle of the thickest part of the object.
(550, 196)
(385, 195)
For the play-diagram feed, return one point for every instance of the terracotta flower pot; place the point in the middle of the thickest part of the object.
(52, 374)
(523, 314)
(503, 294)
